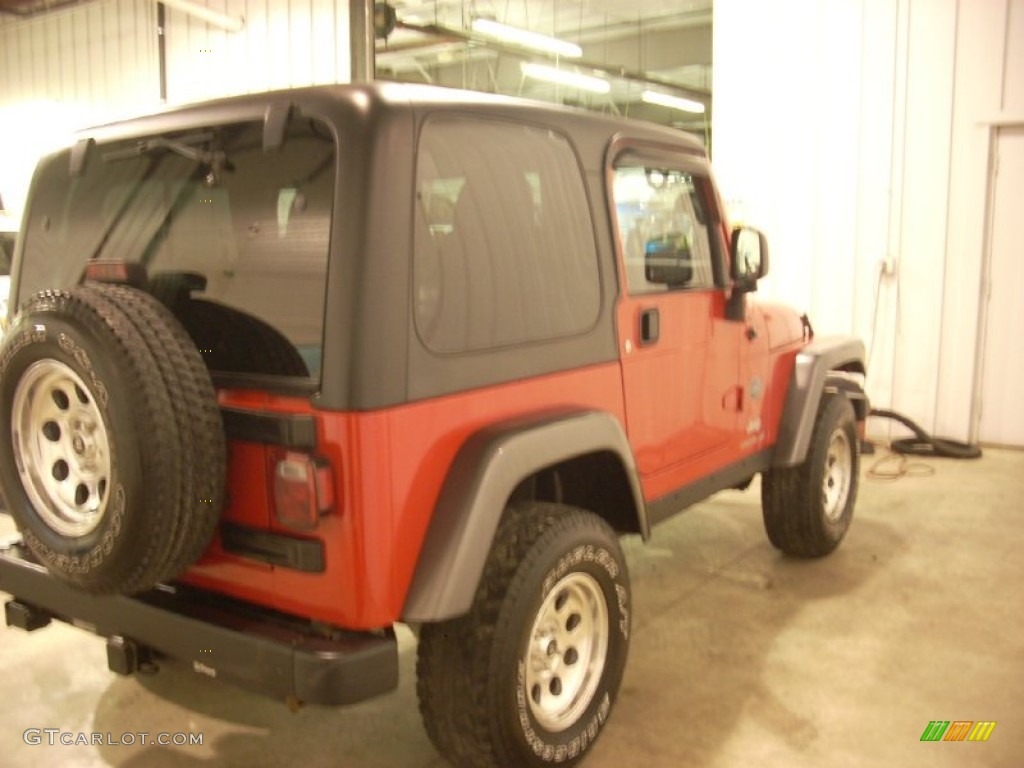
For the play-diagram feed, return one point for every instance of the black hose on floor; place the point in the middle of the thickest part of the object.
(923, 444)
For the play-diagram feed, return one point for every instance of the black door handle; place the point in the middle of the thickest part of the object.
(650, 326)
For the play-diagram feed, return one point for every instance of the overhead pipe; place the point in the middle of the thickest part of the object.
(439, 33)
(362, 40)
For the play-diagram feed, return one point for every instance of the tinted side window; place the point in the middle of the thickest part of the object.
(663, 229)
(504, 243)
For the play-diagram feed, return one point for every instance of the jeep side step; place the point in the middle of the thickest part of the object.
(262, 651)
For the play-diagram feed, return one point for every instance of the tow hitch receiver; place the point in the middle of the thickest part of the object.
(126, 657)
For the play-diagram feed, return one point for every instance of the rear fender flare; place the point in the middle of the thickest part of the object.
(486, 470)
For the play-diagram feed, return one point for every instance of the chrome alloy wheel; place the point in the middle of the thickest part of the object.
(61, 448)
(567, 650)
(835, 489)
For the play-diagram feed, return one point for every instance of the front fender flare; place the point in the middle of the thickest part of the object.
(811, 370)
(486, 470)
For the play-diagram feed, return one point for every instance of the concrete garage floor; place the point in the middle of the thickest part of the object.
(740, 657)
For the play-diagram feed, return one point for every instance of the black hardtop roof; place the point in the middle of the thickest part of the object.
(387, 96)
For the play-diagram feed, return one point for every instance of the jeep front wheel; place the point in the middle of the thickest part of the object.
(808, 508)
(528, 677)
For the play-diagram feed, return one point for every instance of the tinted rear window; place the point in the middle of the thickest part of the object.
(233, 239)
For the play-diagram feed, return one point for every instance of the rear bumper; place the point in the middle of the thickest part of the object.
(265, 652)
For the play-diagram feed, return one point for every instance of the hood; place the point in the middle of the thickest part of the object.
(783, 325)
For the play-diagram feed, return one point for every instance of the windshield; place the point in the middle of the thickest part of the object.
(231, 237)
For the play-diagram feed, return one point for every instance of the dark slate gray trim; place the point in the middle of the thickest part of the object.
(365, 363)
(289, 430)
(811, 369)
(371, 357)
(263, 651)
(732, 476)
(483, 476)
(275, 548)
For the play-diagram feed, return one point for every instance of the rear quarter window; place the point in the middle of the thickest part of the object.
(504, 248)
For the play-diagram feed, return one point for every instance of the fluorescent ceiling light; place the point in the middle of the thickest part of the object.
(563, 77)
(672, 102)
(527, 39)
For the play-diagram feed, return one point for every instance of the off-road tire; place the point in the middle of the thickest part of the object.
(808, 508)
(102, 389)
(555, 580)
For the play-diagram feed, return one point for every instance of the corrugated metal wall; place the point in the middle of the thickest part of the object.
(857, 133)
(102, 53)
(98, 61)
(105, 53)
(282, 45)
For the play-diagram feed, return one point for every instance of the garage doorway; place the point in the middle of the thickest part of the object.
(999, 408)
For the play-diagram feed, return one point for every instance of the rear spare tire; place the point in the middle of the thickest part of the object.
(112, 453)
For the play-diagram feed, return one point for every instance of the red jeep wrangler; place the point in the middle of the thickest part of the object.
(290, 368)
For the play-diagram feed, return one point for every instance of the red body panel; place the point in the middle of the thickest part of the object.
(782, 337)
(389, 467)
(680, 390)
(691, 407)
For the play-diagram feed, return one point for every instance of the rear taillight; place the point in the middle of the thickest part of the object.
(302, 487)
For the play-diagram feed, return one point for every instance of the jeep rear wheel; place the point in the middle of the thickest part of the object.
(528, 677)
(808, 508)
(112, 453)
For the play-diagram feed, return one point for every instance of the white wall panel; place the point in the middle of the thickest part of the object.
(1013, 87)
(878, 187)
(98, 61)
(978, 87)
(877, 151)
(300, 38)
(281, 45)
(63, 70)
(836, 85)
(1001, 419)
(98, 54)
(920, 261)
(255, 63)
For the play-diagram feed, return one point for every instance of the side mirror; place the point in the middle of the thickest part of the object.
(749, 252)
(668, 260)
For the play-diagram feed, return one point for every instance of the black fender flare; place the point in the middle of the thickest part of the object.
(814, 372)
(486, 470)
